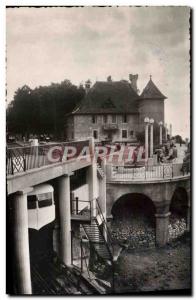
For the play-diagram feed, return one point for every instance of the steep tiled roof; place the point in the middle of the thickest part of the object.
(109, 97)
(151, 92)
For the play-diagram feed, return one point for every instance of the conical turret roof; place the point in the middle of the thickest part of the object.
(152, 92)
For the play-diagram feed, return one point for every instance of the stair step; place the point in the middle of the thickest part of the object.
(97, 239)
(90, 227)
(94, 235)
(93, 230)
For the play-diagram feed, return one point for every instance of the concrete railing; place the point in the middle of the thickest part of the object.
(21, 159)
(144, 173)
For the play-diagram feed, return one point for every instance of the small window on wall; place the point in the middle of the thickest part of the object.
(131, 133)
(95, 134)
(124, 134)
(105, 119)
(94, 119)
(113, 118)
(124, 118)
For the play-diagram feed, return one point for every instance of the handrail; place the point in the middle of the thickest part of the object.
(106, 229)
(83, 257)
(78, 211)
(109, 242)
(100, 211)
(21, 159)
(49, 144)
(106, 236)
(163, 171)
(97, 212)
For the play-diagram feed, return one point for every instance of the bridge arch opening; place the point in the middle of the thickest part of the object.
(134, 221)
(179, 211)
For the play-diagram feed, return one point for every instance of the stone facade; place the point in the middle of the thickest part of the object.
(82, 127)
(153, 108)
(114, 112)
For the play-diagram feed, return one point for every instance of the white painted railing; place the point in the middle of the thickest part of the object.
(164, 171)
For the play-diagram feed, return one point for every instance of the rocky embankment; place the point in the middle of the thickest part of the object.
(138, 232)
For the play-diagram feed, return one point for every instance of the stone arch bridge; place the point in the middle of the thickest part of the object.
(159, 190)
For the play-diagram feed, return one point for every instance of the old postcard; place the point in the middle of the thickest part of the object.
(98, 158)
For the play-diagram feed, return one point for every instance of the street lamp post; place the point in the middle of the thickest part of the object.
(166, 132)
(146, 121)
(151, 121)
(170, 131)
(161, 132)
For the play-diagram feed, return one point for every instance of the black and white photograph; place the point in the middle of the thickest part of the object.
(98, 150)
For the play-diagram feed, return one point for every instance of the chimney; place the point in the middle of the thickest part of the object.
(87, 85)
(133, 79)
(109, 78)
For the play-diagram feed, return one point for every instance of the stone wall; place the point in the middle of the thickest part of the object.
(69, 128)
(83, 127)
(152, 109)
(160, 192)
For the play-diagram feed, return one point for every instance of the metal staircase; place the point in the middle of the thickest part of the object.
(96, 230)
(99, 237)
(97, 240)
(100, 169)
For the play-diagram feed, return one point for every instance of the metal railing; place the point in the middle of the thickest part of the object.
(165, 171)
(84, 260)
(106, 232)
(83, 256)
(21, 159)
(108, 240)
(92, 210)
(81, 207)
(110, 126)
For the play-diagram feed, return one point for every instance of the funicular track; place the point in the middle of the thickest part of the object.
(54, 278)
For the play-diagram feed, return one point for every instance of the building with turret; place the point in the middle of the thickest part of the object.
(113, 111)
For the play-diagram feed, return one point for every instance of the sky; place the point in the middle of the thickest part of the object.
(47, 45)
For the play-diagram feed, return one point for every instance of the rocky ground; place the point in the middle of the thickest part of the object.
(150, 270)
(177, 227)
(133, 233)
(143, 268)
(138, 232)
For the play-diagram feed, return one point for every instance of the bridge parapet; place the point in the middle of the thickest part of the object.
(146, 173)
(22, 159)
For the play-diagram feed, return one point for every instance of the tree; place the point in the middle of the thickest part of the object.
(179, 139)
(43, 110)
(19, 114)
